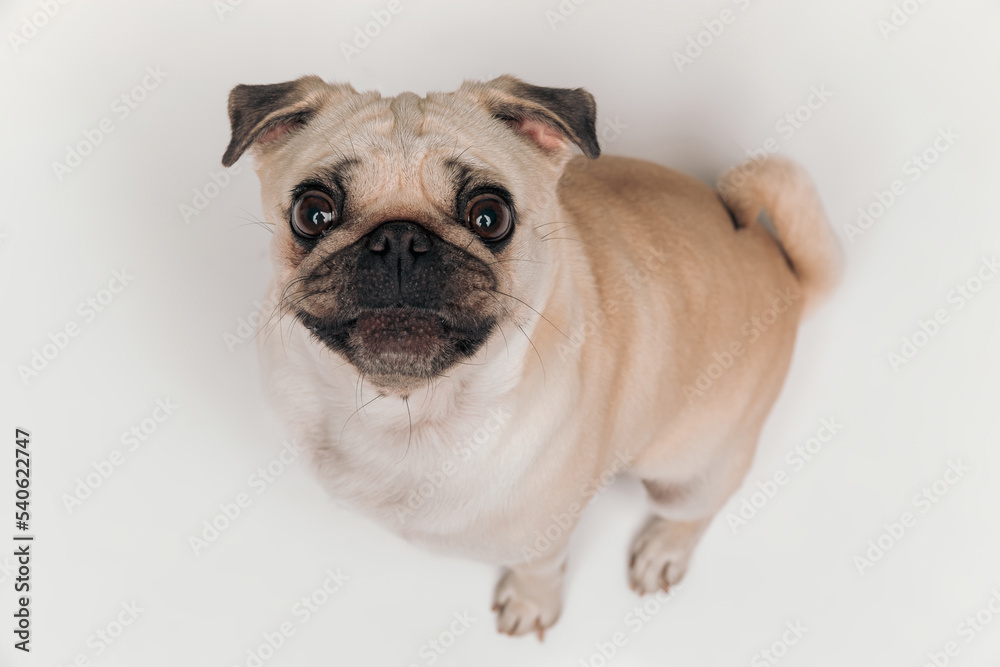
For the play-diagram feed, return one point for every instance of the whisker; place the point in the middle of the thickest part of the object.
(504, 336)
(254, 223)
(555, 222)
(536, 352)
(564, 238)
(555, 231)
(469, 363)
(254, 219)
(515, 259)
(287, 304)
(428, 393)
(356, 412)
(359, 392)
(500, 329)
(409, 421)
(284, 305)
(529, 306)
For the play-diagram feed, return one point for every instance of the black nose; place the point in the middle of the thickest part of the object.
(399, 242)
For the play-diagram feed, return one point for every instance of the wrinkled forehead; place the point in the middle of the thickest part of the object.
(403, 147)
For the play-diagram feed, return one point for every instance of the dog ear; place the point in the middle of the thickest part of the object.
(264, 115)
(548, 117)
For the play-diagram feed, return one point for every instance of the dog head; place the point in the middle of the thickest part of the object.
(407, 230)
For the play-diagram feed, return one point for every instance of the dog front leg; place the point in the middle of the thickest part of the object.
(528, 597)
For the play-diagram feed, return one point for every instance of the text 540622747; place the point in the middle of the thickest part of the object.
(22, 542)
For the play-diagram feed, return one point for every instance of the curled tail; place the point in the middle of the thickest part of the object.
(783, 190)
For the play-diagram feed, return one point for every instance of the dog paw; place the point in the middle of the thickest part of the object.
(527, 604)
(660, 554)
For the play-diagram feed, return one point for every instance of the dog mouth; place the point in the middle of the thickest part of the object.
(399, 331)
(400, 342)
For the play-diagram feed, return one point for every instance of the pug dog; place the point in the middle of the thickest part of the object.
(476, 329)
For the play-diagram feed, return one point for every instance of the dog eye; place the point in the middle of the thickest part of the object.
(488, 216)
(314, 214)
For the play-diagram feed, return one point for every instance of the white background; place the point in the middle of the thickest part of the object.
(163, 335)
